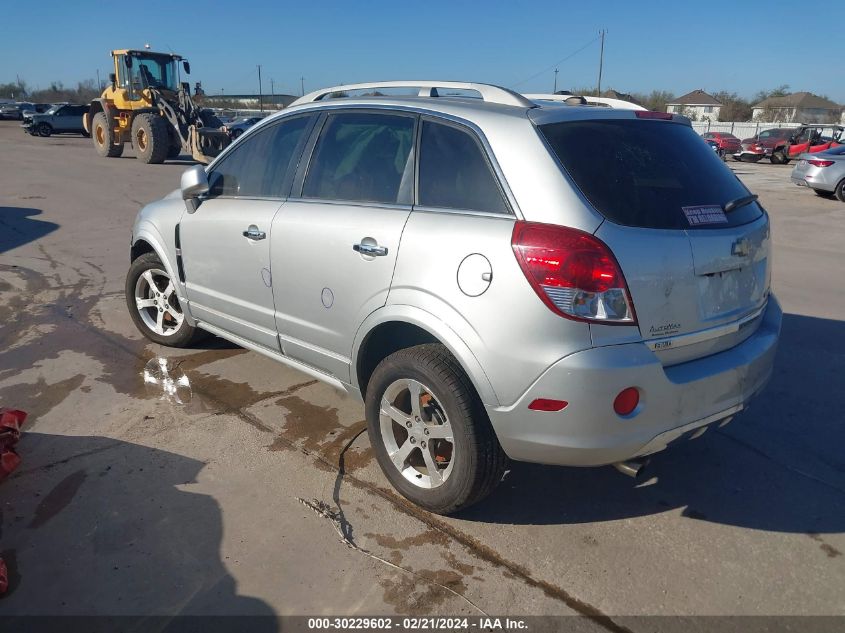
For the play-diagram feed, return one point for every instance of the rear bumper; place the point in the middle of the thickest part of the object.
(674, 401)
(816, 180)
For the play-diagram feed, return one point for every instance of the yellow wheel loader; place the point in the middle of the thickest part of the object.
(148, 106)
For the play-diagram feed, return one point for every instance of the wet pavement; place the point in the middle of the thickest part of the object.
(213, 480)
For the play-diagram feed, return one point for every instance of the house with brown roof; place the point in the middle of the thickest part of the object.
(696, 105)
(798, 107)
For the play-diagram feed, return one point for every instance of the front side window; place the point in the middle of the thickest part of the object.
(156, 72)
(258, 167)
(362, 157)
(454, 173)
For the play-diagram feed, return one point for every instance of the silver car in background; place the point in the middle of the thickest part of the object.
(488, 288)
(823, 172)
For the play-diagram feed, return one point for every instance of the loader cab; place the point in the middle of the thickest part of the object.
(136, 71)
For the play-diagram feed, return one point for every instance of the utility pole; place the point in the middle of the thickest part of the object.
(260, 100)
(601, 60)
(555, 89)
(302, 85)
(273, 92)
(99, 85)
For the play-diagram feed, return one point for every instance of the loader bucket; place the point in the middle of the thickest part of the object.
(207, 143)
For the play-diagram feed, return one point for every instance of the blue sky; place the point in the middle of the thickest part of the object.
(742, 46)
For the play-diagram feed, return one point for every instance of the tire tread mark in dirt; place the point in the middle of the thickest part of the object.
(337, 520)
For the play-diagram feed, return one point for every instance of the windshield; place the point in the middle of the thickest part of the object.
(648, 174)
(53, 109)
(154, 72)
(773, 133)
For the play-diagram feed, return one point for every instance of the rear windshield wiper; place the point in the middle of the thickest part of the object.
(739, 202)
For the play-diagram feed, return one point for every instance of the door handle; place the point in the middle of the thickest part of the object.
(370, 249)
(252, 233)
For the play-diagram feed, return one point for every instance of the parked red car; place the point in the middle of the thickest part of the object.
(725, 141)
(781, 145)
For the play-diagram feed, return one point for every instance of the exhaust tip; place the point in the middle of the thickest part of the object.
(631, 467)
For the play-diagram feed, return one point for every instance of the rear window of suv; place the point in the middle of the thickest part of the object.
(649, 174)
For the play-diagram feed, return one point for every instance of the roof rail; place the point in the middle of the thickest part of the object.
(488, 92)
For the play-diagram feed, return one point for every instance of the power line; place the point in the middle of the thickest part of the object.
(557, 63)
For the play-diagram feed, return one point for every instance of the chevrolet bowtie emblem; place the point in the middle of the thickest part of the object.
(741, 247)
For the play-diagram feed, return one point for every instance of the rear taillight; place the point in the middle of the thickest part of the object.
(573, 272)
(820, 163)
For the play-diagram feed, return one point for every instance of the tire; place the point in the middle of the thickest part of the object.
(779, 158)
(161, 320)
(151, 138)
(840, 191)
(468, 468)
(755, 159)
(175, 150)
(103, 137)
(236, 133)
(44, 129)
(738, 158)
(824, 194)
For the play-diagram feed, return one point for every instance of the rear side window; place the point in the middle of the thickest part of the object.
(362, 157)
(258, 167)
(454, 173)
(648, 174)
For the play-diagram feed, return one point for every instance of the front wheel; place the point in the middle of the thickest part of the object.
(779, 158)
(44, 129)
(154, 305)
(840, 191)
(102, 134)
(151, 138)
(429, 431)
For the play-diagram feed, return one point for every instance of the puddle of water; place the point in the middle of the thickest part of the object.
(164, 380)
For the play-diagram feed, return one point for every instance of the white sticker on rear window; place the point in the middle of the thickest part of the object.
(705, 214)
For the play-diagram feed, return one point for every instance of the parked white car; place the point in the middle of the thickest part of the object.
(569, 99)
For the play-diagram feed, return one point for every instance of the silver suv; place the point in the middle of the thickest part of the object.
(494, 277)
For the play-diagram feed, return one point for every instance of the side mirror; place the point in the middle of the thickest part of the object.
(194, 184)
(187, 66)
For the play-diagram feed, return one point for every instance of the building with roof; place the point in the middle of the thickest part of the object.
(696, 105)
(798, 107)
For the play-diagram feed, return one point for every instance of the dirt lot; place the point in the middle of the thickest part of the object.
(127, 503)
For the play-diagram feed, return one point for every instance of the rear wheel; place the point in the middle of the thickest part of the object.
(779, 157)
(429, 431)
(840, 191)
(44, 129)
(103, 136)
(150, 138)
(154, 305)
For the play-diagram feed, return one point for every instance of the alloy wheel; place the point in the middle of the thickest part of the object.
(157, 303)
(416, 433)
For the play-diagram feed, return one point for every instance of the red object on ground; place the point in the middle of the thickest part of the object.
(11, 422)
